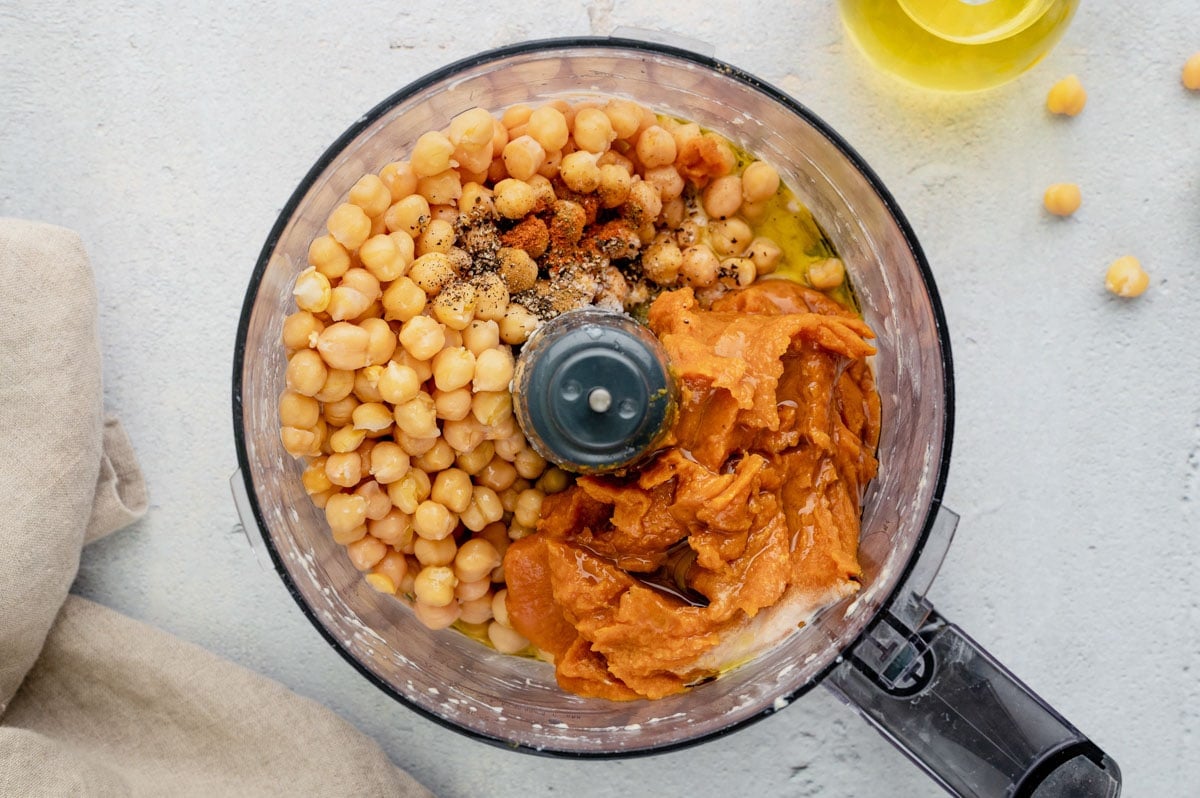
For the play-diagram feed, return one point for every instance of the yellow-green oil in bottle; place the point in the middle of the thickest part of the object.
(956, 45)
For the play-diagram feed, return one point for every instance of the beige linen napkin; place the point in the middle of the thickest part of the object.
(93, 703)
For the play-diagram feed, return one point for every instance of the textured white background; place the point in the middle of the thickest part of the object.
(170, 136)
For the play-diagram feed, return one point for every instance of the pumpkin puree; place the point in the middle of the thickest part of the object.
(753, 502)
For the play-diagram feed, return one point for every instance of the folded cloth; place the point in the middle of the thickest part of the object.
(93, 703)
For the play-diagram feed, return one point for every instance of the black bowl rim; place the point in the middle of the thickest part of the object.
(591, 42)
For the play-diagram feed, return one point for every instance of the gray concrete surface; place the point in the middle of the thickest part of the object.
(169, 135)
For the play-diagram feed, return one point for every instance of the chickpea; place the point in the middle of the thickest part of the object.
(625, 117)
(500, 607)
(380, 255)
(505, 640)
(529, 463)
(548, 126)
(409, 491)
(435, 585)
(441, 189)
(730, 237)
(370, 194)
(455, 306)
(388, 573)
(514, 199)
(311, 290)
(306, 372)
(473, 591)
(760, 181)
(484, 508)
(394, 529)
(491, 408)
(453, 368)
(366, 552)
(515, 115)
(398, 383)
(438, 457)
(422, 337)
(517, 324)
(417, 417)
(517, 530)
(463, 435)
(434, 521)
(699, 267)
(349, 225)
(553, 480)
(826, 274)
(436, 618)
(366, 384)
(1191, 73)
(476, 198)
(491, 298)
(655, 147)
(338, 384)
(452, 405)
(765, 253)
(477, 610)
(433, 271)
(400, 179)
(423, 368)
(723, 197)
(662, 260)
(344, 346)
(414, 447)
(1062, 199)
(737, 272)
(348, 536)
(388, 462)
(409, 215)
(345, 511)
(667, 180)
(480, 336)
(452, 488)
(372, 417)
(300, 330)
(517, 269)
(473, 462)
(431, 154)
(1066, 97)
(580, 172)
(297, 442)
(1126, 277)
(435, 552)
(298, 410)
(347, 439)
(378, 503)
(403, 300)
(529, 507)
(644, 203)
(475, 560)
(523, 156)
(314, 478)
(328, 257)
(509, 447)
(493, 370)
(613, 186)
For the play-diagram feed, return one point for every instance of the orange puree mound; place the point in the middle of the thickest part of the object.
(753, 503)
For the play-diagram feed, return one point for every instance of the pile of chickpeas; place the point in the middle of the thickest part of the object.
(400, 357)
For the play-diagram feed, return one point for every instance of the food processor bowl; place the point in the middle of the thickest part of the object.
(514, 701)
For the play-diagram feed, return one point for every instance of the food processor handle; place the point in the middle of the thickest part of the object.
(958, 713)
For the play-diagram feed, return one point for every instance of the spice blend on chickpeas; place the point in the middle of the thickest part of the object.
(433, 271)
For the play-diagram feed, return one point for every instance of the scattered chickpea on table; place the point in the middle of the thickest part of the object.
(1126, 277)
(1067, 97)
(1062, 199)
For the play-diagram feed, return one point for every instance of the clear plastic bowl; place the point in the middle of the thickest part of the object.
(513, 701)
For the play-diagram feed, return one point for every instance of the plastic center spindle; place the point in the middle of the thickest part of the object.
(593, 392)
